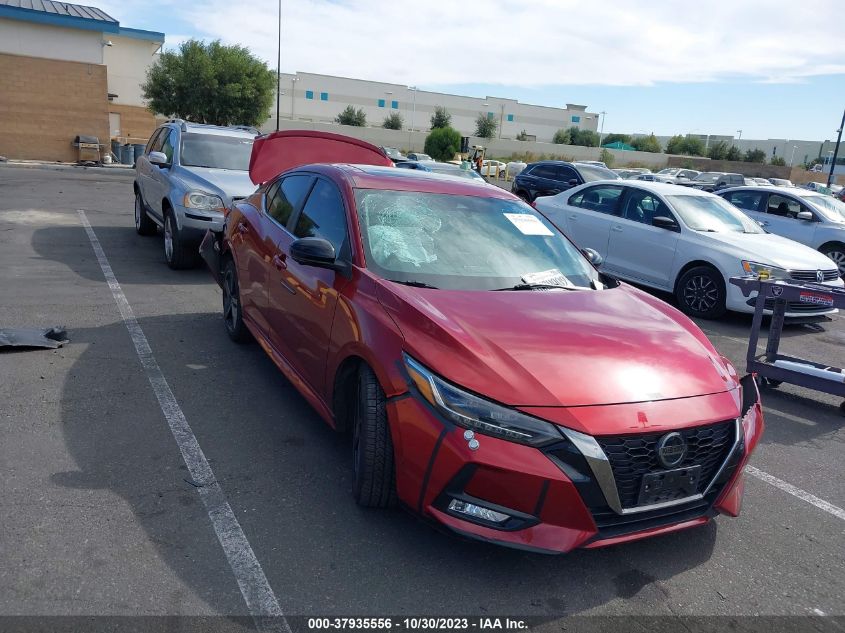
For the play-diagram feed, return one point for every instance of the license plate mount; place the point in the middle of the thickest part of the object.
(668, 485)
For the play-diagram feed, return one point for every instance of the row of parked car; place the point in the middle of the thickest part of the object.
(491, 373)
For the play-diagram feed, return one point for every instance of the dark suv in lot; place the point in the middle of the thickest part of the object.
(550, 177)
(714, 181)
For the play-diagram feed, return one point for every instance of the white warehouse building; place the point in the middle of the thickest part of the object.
(320, 98)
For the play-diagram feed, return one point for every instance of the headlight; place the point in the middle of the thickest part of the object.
(200, 200)
(764, 271)
(478, 414)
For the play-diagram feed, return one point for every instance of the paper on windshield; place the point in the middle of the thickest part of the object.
(528, 224)
(552, 277)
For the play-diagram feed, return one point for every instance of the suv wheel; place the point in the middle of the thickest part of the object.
(177, 253)
(373, 469)
(143, 224)
(700, 292)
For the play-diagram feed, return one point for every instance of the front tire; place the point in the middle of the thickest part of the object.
(701, 293)
(177, 253)
(373, 468)
(143, 224)
(836, 252)
(232, 313)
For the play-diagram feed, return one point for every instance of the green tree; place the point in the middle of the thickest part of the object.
(442, 143)
(607, 157)
(440, 118)
(647, 144)
(676, 145)
(687, 145)
(393, 121)
(485, 127)
(613, 138)
(586, 138)
(718, 151)
(210, 83)
(694, 146)
(778, 160)
(755, 156)
(351, 116)
(522, 136)
(734, 153)
(562, 137)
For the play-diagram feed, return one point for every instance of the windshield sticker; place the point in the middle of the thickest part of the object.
(528, 224)
(552, 277)
(816, 298)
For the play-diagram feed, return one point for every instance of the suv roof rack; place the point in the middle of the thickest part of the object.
(248, 128)
(181, 123)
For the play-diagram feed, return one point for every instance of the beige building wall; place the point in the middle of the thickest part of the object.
(127, 60)
(45, 103)
(53, 42)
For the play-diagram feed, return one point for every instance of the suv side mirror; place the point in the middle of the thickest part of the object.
(317, 252)
(573, 182)
(593, 256)
(664, 222)
(159, 158)
(807, 216)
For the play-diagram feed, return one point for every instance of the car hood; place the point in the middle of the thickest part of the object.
(766, 248)
(230, 183)
(556, 349)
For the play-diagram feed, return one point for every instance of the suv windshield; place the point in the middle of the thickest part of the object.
(708, 176)
(713, 215)
(593, 172)
(829, 206)
(213, 150)
(464, 242)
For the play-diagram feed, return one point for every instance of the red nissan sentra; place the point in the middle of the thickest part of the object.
(492, 379)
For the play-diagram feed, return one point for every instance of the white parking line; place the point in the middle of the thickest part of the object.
(821, 504)
(257, 593)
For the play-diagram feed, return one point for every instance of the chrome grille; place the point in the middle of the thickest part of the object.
(811, 275)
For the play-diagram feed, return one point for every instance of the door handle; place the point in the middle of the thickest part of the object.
(616, 228)
(242, 228)
(573, 217)
(764, 223)
(279, 262)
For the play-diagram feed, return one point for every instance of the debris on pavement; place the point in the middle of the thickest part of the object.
(49, 338)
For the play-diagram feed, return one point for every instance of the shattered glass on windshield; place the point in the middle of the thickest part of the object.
(400, 227)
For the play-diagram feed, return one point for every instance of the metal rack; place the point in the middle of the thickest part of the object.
(775, 367)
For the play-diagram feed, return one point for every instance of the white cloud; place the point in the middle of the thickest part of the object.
(539, 43)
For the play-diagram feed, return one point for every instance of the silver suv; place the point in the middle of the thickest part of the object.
(187, 175)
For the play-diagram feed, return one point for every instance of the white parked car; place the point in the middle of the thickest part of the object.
(684, 241)
(493, 168)
(811, 218)
(515, 167)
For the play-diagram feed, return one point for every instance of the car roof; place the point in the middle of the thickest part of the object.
(391, 178)
(795, 191)
(662, 188)
(551, 162)
(216, 130)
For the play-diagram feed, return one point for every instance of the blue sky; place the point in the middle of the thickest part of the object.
(772, 68)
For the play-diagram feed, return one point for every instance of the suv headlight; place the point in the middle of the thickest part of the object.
(764, 271)
(204, 201)
(478, 414)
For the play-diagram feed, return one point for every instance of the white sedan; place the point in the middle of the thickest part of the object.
(493, 168)
(684, 241)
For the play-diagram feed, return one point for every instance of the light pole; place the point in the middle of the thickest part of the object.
(739, 138)
(601, 133)
(413, 115)
(293, 81)
(835, 151)
(279, 68)
(792, 157)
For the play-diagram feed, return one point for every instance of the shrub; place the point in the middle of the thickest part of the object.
(778, 160)
(718, 151)
(647, 144)
(485, 127)
(440, 118)
(734, 153)
(351, 116)
(607, 157)
(755, 156)
(393, 121)
(562, 137)
(688, 145)
(614, 138)
(522, 136)
(443, 143)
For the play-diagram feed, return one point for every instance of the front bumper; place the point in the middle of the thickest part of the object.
(195, 222)
(553, 495)
(737, 302)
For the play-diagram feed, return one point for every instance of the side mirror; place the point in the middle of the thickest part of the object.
(807, 216)
(159, 158)
(317, 252)
(593, 256)
(573, 182)
(663, 222)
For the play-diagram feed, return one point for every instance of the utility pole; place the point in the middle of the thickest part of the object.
(279, 69)
(835, 151)
(413, 115)
(601, 134)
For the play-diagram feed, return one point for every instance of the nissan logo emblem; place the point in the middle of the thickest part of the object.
(671, 449)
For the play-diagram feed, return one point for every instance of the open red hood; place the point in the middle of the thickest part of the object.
(277, 152)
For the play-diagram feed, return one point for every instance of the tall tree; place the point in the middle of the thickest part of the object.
(485, 127)
(440, 118)
(210, 83)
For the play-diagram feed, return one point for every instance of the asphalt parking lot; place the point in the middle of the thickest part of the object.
(100, 514)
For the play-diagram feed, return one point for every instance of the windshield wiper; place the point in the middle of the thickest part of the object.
(536, 287)
(415, 284)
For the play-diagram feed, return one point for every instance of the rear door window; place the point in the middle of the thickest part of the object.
(603, 199)
(745, 200)
(543, 171)
(564, 173)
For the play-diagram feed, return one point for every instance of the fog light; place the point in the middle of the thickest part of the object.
(479, 512)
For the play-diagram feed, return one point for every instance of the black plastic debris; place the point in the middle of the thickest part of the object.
(50, 338)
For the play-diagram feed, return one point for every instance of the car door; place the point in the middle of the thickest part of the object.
(589, 214)
(637, 249)
(781, 218)
(160, 174)
(303, 298)
(145, 167)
